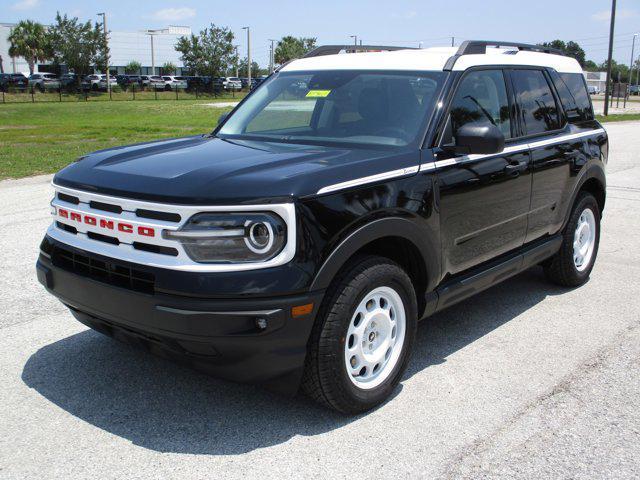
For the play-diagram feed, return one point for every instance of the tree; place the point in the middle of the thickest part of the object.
(78, 45)
(1, 65)
(571, 49)
(590, 66)
(133, 67)
(618, 71)
(29, 40)
(290, 47)
(168, 68)
(210, 53)
(242, 68)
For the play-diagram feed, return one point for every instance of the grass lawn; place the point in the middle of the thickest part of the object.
(44, 137)
(618, 118)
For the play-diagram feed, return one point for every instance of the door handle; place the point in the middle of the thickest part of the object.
(514, 169)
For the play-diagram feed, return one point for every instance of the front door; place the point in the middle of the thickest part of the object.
(484, 199)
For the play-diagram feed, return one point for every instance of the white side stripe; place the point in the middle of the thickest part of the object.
(425, 167)
(370, 179)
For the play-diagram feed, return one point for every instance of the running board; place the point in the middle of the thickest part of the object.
(461, 288)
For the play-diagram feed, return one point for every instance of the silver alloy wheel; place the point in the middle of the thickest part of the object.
(375, 338)
(584, 240)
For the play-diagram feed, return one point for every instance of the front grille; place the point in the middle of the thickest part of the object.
(103, 271)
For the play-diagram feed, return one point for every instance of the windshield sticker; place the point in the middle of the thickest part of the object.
(317, 93)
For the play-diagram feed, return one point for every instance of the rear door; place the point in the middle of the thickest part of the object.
(553, 149)
(484, 199)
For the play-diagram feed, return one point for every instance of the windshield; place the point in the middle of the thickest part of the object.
(383, 108)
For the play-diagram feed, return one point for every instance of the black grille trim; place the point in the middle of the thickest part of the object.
(147, 247)
(107, 207)
(68, 198)
(155, 215)
(67, 228)
(106, 272)
(103, 238)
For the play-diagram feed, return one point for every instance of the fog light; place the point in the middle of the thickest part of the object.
(261, 323)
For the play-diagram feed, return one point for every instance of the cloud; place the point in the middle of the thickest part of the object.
(25, 5)
(172, 14)
(621, 14)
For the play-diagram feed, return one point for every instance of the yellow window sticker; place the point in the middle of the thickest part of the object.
(318, 93)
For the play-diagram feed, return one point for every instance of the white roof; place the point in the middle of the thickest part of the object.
(431, 59)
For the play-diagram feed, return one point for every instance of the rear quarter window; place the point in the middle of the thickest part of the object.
(574, 96)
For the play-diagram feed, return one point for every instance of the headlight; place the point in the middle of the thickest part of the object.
(231, 237)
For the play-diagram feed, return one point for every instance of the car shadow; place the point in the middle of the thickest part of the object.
(166, 407)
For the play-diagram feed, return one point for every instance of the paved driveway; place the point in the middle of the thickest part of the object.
(525, 380)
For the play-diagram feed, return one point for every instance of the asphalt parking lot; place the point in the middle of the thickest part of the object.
(525, 380)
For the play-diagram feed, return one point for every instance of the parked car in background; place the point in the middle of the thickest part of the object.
(128, 81)
(90, 82)
(155, 82)
(593, 90)
(217, 83)
(197, 82)
(102, 83)
(172, 82)
(13, 81)
(232, 83)
(68, 80)
(634, 89)
(44, 81)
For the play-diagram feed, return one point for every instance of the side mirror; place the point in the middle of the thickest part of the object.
(222, 117)
(479, 137)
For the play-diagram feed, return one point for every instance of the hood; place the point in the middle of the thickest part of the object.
(208, 170)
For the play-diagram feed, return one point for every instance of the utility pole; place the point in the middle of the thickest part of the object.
(248, 56)
(453, 41)
(633, 47)
(355, 40)
(237, 60)
(611, 29)
(272, 56)
(106, 53)
(151, 33)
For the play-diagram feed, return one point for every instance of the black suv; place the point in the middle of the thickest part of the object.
(301, 241)
(13, 81)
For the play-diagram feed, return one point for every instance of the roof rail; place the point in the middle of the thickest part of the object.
(469, 47)
(333, 49)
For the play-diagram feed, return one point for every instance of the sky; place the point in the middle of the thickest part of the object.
(397, 22)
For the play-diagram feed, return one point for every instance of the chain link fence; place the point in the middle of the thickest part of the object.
(74, 93)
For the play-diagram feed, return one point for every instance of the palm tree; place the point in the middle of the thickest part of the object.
(28, 39)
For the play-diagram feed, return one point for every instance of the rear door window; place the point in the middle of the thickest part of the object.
(536, 103)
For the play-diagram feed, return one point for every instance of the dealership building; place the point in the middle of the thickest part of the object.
(149, 48)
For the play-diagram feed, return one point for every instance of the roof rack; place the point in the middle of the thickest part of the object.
(333, 49)
(469, 47)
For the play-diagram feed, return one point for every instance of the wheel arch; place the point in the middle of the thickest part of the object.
(594, 182)
(398, 239)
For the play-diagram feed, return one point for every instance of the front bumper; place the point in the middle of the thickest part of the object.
(246, 339)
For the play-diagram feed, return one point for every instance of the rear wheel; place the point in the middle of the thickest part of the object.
(572, 265)
(363, 337)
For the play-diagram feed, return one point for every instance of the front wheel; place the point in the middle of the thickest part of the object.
(363, 337)
(572, 265)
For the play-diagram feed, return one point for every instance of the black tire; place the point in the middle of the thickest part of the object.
(326, 379)
(561, 268)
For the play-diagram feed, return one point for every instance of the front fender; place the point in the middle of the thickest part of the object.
(404, 228)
